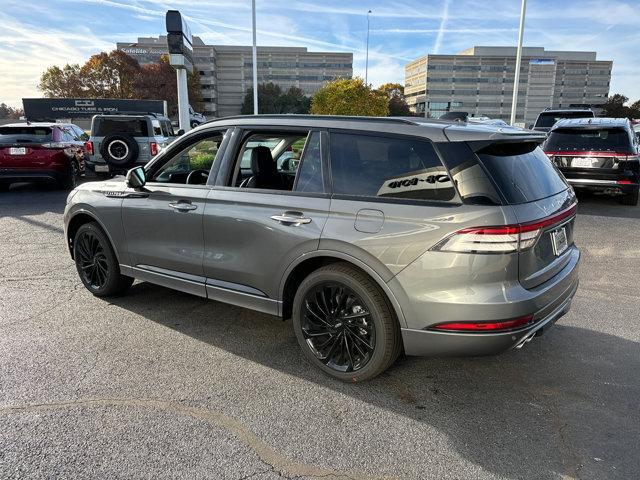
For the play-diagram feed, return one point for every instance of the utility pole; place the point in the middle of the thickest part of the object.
(255, 60)
(366, 63)
(516, 80)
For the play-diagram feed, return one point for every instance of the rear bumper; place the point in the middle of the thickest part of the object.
(602, 182)
(547, 302)
(24, 175)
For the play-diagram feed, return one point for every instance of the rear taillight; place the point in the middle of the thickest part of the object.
(88, 146)
(500, 239)
(484, 326)
(153, 148)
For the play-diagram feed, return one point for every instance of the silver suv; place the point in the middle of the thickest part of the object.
(385, 235)
(119, 142)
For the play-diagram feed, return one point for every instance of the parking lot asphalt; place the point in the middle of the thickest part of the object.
(160, 384)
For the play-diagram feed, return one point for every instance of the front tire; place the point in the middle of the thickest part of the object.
(344, 323)
(71, 180)
(96, 262)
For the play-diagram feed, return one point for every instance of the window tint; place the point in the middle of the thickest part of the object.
(601, 139)
(522, 172)
(474, 186)
(310, 170)
(549, 119)
(25, 134)
(399, 167)
(198, 156)
(133, 126)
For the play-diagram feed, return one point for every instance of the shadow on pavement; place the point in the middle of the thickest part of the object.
(567, 404)
(604, 206)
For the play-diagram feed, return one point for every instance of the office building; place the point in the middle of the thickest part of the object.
(226, 71)
(479, 81)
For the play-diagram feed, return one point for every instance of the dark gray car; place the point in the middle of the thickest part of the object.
(385, 235)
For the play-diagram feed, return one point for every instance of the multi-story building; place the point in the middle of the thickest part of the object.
(226, 71)
(479, 81)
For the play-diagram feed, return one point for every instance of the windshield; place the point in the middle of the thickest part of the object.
(600, 140)
(522, 172)
(549, 119)
(25, 134)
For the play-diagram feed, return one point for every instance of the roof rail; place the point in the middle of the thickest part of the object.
(402, 120)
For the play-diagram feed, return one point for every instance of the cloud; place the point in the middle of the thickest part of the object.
(443, 25)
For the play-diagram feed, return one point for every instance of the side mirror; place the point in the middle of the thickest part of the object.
(180, 132)
(136, 177)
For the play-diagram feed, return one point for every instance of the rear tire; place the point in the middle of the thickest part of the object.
(630, 199)
(353, 334)
(96, 262)
(71, 181)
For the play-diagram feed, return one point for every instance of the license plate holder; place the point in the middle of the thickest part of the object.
(559, 241)
(17, 151)
(101, 168)
(582, 162)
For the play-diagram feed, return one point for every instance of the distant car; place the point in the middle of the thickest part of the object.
(42, 152)
(195, 118)
(549, 117)
(598, 154)
(119, 142)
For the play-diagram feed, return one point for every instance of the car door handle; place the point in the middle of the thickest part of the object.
(291, 218)
(183, 206)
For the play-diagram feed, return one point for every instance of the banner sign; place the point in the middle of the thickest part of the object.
(57, 108)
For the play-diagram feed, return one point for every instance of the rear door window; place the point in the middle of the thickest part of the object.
(589, 139)
(25, 134)
(387, 166)
(522, 172)
(136, 127)
(549, 119)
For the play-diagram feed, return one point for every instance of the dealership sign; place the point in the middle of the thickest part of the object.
(56, 108)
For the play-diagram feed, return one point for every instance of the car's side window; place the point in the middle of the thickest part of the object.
(268, 161)
(193, 164)
(387, 166)
(309, 177)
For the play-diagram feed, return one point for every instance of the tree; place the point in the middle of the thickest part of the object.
(616, 107)
(272, 100)
(349, 96)
(397, 104)
(110, 75)
(9, 112)
(62, 82)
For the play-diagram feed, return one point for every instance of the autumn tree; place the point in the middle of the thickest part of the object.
(397, 104)
(110, 75)
(9, 112)
(62, 82)
(271, 99)
(349, 96)
(616, 107)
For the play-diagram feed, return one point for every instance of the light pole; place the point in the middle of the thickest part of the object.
(255, 60)
(516, 79)
(366, 63)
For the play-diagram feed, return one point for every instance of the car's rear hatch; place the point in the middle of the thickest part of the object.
(603, 151)
(23, 147)
(542, 202)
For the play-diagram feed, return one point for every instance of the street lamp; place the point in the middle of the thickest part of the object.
(516, 80)
(366, 63)
(255, 59)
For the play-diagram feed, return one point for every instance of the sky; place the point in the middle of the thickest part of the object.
(36, 34)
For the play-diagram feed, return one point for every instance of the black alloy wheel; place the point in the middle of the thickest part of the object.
(337, 327)
(92, 261)
(96, 262)
(345, 324)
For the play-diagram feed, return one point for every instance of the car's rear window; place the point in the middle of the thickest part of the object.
(549, 119)
(589, 139)
(136, 127)
(522, 172)
(25, 134)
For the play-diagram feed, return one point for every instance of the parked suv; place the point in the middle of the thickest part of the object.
(597, 154)
(119, 142)
(549, 117)
(387, 235)
(42, 152)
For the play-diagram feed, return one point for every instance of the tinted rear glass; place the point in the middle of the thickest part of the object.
(385, 166)
(25, 134)
(576, 139)
(136, 127)
(549, 119)
(522, 172)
